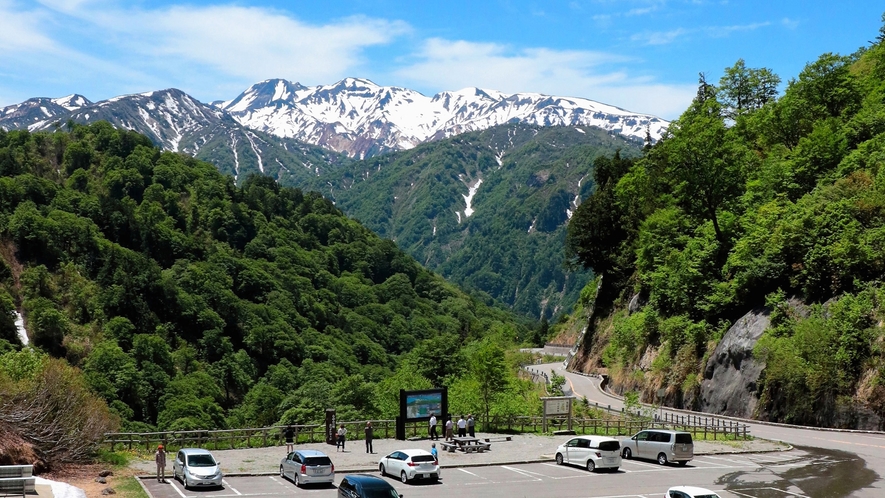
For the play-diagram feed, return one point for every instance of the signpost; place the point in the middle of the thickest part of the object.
(557, 406)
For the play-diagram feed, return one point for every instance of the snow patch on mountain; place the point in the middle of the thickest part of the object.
(468, 199)
(360, 118)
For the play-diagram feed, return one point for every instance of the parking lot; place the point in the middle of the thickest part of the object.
(744, 475)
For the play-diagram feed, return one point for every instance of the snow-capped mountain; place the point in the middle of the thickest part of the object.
(39, 109)
(360, 118)
(177, 122)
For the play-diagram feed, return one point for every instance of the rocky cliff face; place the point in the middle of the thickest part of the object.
(729, 385)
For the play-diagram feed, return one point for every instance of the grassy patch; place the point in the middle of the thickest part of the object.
(129, 487)
(116, 458)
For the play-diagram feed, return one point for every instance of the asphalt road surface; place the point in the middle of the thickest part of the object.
(866, 449)
(745, 475)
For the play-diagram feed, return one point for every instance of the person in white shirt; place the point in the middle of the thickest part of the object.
(449, 428)
(462, 427)
(433, 435)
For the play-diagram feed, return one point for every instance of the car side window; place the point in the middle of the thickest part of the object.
(664, 437)
(572, 443)
(401, 456)
(583, 443)
(180, 457)
(642, 436)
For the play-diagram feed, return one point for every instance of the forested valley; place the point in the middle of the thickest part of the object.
(160, 295)
(752, 199)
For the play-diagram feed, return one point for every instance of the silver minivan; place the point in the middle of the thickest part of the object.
(661, 445)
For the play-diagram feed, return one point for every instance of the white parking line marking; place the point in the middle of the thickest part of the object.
(565, 467)
(641, 464)
(231, 487)
(175, 487)
(706, 462)
(471, 473)
(521, 472)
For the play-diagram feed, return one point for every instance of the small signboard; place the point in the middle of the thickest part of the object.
(557, 406)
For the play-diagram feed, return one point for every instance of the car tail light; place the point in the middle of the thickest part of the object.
(333, 467)
(303, 469)
(412, 464)
(436, 462)
(598, 455)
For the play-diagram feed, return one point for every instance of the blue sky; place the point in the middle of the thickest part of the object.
(642, 55)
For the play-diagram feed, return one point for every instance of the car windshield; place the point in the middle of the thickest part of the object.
(201, 461)
(380, 493)
(685, 439)
(609, 446)
(317, 460)
(422, 458)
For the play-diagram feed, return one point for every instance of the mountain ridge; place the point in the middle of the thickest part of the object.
(354, 117)
(360, 118)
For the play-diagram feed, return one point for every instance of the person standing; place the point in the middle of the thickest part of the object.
(471, 425)
(434, 453)
(342, 438)
(462, 427)
(433, 435)
(369, 437)
(160, 458)
(449, 428)
(290, 441)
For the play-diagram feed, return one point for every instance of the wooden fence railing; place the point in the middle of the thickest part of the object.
(384, 429)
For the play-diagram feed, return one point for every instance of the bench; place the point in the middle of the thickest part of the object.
(17, 480)
(478, 447)
(450, 447)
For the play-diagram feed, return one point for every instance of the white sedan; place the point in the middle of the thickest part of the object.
(409, 465)
(689, 492)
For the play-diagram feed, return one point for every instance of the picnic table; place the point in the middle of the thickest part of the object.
(466, 444)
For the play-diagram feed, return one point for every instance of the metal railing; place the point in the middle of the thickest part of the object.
(699, 427)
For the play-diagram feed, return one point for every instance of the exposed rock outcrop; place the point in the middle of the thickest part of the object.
(731, 374)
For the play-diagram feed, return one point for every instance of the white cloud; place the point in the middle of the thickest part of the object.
(659, 37)
(458, 64)
(667, 37)
(790, 23)
(201, 49)
(20, 30)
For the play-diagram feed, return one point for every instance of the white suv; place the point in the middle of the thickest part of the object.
(591, 452)
(410, 464)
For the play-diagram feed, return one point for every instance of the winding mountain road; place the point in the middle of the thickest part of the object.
(867, 445)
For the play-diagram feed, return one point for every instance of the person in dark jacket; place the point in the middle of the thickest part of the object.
(471, 425)
(289, 434)
(369, 436)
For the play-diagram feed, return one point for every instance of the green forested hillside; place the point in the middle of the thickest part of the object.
(189, 301)
(511, 246)
(752, 198)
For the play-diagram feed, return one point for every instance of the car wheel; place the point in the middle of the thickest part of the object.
(403, 477)
(381, 468)
(627, 453)
(662, 459)
(297, 480)
(591, 465)
(559, 459)
(282, 474)
(682, 463)
(184, 481)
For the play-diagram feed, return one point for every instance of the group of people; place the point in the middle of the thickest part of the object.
(465, 427)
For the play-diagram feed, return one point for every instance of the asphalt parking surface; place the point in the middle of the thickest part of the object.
(635, 478)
